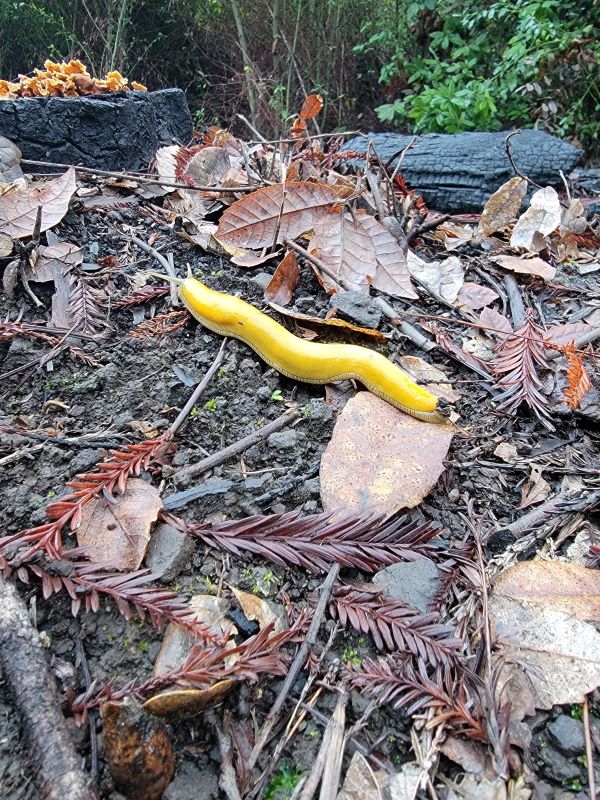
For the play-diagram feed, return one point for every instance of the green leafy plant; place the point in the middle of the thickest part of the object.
(283, 784)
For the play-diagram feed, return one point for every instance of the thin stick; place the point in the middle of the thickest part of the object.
(182, 416)
(158, 181)
(296, 666)
(589, 749)
(164, 262)
(253, 438)
(57, 768)
(313, 136)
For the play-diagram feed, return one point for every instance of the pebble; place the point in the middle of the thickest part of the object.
(261, 279)
(319, 411)
(414, 583)
(283, 440)
(558, 767)
(84, 460)
(567, 734)
(168, 551)
(358, 308)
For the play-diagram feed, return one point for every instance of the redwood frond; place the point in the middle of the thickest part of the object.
(162, 325)
(578, 380)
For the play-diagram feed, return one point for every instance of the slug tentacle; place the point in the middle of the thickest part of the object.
(311, 362)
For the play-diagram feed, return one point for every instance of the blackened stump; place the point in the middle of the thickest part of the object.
(118, 131)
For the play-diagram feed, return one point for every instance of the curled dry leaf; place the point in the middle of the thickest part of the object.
(539, 610)
(392, 276)
(259, 610)
(444, 278)
(380, 459)
(275, 213)
(19, 207)
(345, 247)
(578, 380)
(280, 288)
(494, 323)
(118, 532)
(542, 218)
(175, 648)
(333, 323)
(429, 376)
(564, 334)
(502, 207)
(535, 490)
(138, 750)
(526, 266)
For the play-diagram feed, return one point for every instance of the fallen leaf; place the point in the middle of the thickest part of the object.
(311, 107)
(535, 490)
(192, 207)
(270, 215)
(345, 248)
(208, 167)
(380, 458)
(502, 207)
(19, 207)
(10, 277)
(176, 645)
(425, 374)
(259, 610)
(138, 750)
(564, 334)
(118, 532)
(280, 288)
(361, 782)
(560, 586)
(473, 787)
(10, 155)
(526, 266)
(330, 322)
(542, 217)
(66, 254)
(573, 219)
(560, 653)
(6, 245)
(250, 259)
(475, 296)
(493, 322)
(445, 278)
(578, 380)
(471, 756)
(391, 275)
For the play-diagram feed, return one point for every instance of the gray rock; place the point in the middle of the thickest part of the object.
(261, 279)
(168, 551)
(319, 411)
(414, 583)
(192, 783)
(357, 308)
(84, 460)
(210, 487)
(283, 440)
(567, 734)
(557, 766)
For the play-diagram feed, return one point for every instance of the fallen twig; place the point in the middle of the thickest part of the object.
(56, 766)
(253, 438)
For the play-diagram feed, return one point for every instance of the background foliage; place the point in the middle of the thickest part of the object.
(425, 65)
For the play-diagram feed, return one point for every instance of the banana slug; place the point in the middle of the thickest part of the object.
(311, 362)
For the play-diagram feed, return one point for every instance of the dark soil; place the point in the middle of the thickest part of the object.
(141, 381)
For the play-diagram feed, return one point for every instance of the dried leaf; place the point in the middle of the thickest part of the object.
(275, 213)
(425, 374)
(537, 609)
(19, 207)
(250, 259)
(311, 107)
(502, 207)
(344, 246)
(280, 288)
(10, 155)
(10, 277)
(333, 323)
(493, 322)
(445, 278)
(578, 381)
(117, 533)
(565, 334)
(259, 610)
(542, 217)
(208, 167)
(6, 245)
(392, 276)
(361, 782)
(475, 296)
(526, 266)
(380, 459)
(535, 490)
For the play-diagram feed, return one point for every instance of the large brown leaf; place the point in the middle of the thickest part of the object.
(502, 207)
(346, 248)
(392, 275)
(118, 533)
(275, 213)
(380, 458)
(19, 207)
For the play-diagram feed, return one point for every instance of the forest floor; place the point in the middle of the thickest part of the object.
(131, 390)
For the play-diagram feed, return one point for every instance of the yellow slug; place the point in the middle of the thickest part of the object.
(311, 362)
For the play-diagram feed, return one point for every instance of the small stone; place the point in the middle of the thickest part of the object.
(357, 308)
(261, 279)
(558, 767)
(414, 583)
(168, 551)
(283, 440)
(84, 460)
(567, 734)
(90, 384)
(190, 783)
(264, 393)
(319, 411)
(507, 452)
